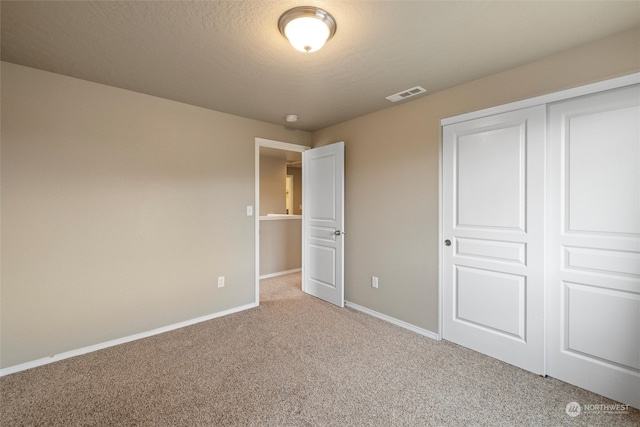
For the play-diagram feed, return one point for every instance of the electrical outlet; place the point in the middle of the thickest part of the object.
(221, 282)
(374, 282)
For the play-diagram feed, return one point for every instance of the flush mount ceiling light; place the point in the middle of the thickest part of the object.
(307, 27)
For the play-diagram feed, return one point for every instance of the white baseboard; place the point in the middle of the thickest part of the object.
(96, 347)
(395, 321)
(280, 273)
(118, 341)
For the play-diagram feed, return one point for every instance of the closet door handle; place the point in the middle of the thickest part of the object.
(447, 242)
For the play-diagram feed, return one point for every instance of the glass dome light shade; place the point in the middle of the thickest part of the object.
(307, 27)
(307, 34)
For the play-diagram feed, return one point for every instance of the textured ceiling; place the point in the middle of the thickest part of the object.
(229, 56)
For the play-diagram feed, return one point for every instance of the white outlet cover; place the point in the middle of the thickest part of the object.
(249, 210)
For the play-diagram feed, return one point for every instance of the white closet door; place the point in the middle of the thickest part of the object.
(593, 246)
(493, 231)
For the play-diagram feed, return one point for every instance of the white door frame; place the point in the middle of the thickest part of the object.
(278, 145)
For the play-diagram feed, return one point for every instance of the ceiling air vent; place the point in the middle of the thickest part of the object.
(406, 94)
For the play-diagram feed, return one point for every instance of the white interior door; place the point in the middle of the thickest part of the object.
(493, 225)
(594, 243)
(323, 223)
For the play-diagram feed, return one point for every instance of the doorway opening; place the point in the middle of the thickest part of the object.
(278, 210)
(289, 197)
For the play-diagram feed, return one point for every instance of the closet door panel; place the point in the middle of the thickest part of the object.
(493, 227)
(593, 243)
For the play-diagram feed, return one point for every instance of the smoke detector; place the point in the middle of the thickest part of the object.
(408, 93)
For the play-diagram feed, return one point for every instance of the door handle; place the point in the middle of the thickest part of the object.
(447, 242)
(338, 232)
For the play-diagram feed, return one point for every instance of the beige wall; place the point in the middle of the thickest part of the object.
(391, 174)
(273, 173)
(119, 211)
(280, 245)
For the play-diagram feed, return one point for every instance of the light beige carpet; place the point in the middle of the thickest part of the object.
(293, 361)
